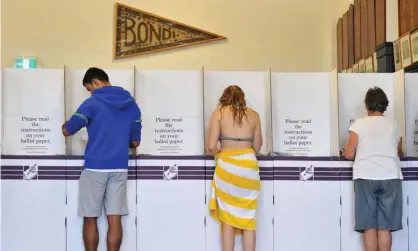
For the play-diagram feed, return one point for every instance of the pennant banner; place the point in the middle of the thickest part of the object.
(139, 32)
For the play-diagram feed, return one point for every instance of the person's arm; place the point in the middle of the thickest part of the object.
(399, 135)
(353, 138)
(136, 130)
(78, 120)
(400, 152)
(258, 136)
(350, 149)
(214, 133)
(64, 130)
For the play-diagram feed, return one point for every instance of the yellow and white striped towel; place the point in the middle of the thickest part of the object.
(235, 189)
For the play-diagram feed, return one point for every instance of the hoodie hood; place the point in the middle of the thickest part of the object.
(115, 97)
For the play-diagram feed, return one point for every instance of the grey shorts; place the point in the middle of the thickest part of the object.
(98, 189)
(378, 204)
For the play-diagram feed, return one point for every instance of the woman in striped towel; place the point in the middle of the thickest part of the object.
(236, 182)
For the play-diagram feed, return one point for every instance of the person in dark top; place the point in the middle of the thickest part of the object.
(113, 121)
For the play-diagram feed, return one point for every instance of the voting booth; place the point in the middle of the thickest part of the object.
(411, 114)
(301, 122)
(306, 180)
(76, 93)
(306, 200)
(411, 124)
(352, 89)
(33, 174)
(171, 165)
(256, 88)
(1, 144)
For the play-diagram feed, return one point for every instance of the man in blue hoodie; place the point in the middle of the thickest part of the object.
(113, 121)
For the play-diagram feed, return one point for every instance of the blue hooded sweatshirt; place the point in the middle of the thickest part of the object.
(113, 120)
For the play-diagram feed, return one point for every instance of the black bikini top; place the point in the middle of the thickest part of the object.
(235, 139)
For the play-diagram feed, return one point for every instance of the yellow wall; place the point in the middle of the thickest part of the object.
(286, 35)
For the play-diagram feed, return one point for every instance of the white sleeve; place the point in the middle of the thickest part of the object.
(355, 127)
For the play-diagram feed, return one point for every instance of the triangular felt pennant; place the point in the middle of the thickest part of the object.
(138, 32)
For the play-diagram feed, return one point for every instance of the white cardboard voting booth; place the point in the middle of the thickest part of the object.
(172, 110)
(301, 127)
(411, 117)
(76, 94)
(254, 84)
(32, 116)
(1, 132)
(411, 114)
(32, 119)
(352, 89)
(256, 88)
(306, 200)
(302, 121)
(171, 188)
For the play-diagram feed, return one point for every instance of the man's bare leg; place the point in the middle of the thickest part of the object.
(384, 240)
(115, 232)
(370, 240)
(90, 234)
